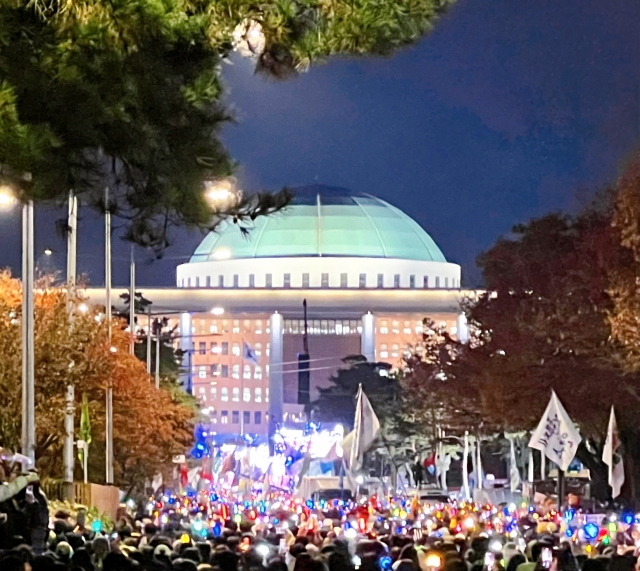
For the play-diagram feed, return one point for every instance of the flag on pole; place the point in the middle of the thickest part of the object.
(612, 456)
(514, 472)
(556, 436)
(85, 426)
(365, 429)
(248, 353)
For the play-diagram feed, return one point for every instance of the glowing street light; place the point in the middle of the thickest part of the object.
(221, 193)
(7, 197)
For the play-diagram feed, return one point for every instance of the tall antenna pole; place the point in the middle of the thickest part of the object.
(107, 283)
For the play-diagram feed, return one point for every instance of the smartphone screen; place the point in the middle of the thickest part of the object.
(546, 557)
(489, 560)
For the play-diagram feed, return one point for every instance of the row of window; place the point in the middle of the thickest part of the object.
(426, 282)
(383, 327)
(324, 326)
(235, 394)
(235, 417)
(223, 348)
(222, 371)
(224, 325)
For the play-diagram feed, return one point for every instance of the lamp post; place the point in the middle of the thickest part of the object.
(28, 441)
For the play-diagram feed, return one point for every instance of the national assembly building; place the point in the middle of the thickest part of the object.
(368, 273)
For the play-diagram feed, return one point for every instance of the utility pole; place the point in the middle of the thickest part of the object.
(149, 339)
(28, 337)
(72, 273)
(158, 333)
(107, 284)
(132, 304)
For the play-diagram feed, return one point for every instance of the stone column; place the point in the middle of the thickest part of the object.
(186, 346)
(275, 373)
(368, 337)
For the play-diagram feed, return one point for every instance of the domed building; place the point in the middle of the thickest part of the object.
(367, 273)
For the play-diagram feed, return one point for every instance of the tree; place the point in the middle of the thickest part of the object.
(127, 94)
(150, 425)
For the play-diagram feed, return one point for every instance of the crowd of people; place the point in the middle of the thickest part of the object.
(179, 543)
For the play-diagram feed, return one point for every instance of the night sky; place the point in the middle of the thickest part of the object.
(506, 111)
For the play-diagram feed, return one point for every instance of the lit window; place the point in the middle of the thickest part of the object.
(384, 327)
(266, 395)
(267, 370)
(259, 326)
(246, 373)
(257, 372)
(213, 391)
(267, 351)
(258, 394)
(257, 417)
(394, 350)
(202, 372)
(236, 326)
(213, 415)
(384, 352)
(214, 348)
(258, 349)
(235, 349)
(215, 370)
(235, 371)
(407, 328)
(235, 394)
(202, 390)
(419, 327)
(224, 394)
(246, 394)
(396, 327)
(224, 417)
(453, 330)
(246, 325)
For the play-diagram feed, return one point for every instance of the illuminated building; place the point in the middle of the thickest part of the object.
(369, 273)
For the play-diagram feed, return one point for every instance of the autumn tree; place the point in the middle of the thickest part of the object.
(150, 425)
(128, 95)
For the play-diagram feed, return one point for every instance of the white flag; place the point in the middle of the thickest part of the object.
(556, 435)
(514, 473)
(365, 429)
(612, 457)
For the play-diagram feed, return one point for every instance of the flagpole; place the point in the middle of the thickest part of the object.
(242, 393)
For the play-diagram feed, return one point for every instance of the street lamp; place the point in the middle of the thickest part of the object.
(221, 193)
(8, 199)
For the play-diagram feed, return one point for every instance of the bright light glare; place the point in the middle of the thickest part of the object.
(7, 198)
(83, 308)
(47, 252)
(219, 195)
(495, 546)
(217, 310)
(433, 560)
(262, 550)
(222, 254)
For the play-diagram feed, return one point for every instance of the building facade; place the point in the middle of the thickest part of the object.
(368, 273)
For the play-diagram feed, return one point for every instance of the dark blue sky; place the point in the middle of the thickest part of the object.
(506, 111)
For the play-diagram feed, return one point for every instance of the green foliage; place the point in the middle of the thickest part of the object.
(126, 94)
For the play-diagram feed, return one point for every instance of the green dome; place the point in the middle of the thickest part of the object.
(325, 221)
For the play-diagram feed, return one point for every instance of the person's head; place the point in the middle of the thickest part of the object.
(225, 560)
(594, 565)
(12, 562)
(181, 564)
(116, 562)
(622, 563)
(515, 560)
